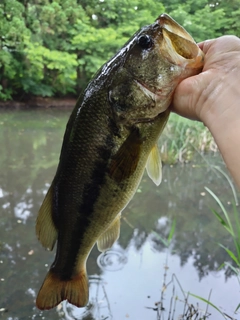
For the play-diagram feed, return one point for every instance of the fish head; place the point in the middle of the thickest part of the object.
(153, 63)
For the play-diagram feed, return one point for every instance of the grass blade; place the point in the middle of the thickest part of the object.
(237, 308)
(234, 269)
(209, 303)
(223, 210)
(171, 233)
(221, 220)
(230, 253)
(164, 241)
(230, 183)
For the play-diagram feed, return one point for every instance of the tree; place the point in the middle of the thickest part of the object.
(12, 34)
(54, 47)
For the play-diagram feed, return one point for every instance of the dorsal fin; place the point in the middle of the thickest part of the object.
(154, 165)
(45, 228)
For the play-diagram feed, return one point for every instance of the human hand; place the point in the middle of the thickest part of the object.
(216, 91)
(213, 97)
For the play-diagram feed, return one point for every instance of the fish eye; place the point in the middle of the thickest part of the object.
(145, 41)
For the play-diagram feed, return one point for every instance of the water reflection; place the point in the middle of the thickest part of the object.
(182, 196)
(112, 260)
(98, 307)
(31, 142)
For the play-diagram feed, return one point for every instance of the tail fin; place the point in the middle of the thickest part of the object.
(54, 290)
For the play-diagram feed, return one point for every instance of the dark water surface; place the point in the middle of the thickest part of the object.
(126, 282)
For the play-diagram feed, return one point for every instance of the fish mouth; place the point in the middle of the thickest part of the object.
(178, 46)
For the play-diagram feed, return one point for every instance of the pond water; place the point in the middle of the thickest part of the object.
(139, 278)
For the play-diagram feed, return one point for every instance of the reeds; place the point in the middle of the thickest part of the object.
(182, 138)
(166, 309)
(234, 230)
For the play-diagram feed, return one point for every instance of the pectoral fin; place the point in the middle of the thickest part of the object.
(125, 161)
(107, 239)
(45, 228)
(154, 166)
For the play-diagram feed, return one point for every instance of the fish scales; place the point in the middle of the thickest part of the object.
(110, 138)
(85, 190)
(92, 197)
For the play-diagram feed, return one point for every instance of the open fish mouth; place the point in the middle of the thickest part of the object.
(178, 45)
(172, 26)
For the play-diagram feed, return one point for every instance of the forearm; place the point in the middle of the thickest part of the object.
(230, 151)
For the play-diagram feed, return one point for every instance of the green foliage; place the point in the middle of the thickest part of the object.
(206, 19)
(182, 138)
(107, 26)
(232, 229)
(46, 66)
(54, 47)
(12, 33)
(210, 304)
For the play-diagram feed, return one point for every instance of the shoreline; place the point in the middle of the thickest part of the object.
(39, 102)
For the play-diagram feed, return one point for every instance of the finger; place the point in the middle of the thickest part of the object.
(225, 44)
(186, 96)
(205, 45)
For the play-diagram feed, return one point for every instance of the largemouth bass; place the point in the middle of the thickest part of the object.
(110, 138)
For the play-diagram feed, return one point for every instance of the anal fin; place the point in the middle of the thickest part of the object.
(45, 228)
(107, 239)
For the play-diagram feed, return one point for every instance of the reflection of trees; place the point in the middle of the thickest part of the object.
(197, 232)
(30, 142)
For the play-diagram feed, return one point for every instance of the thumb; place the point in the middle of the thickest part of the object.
(187, 96)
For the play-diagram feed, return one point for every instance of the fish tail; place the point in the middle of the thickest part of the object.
(54, 290)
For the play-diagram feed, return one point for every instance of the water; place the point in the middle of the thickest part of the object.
(126, 282)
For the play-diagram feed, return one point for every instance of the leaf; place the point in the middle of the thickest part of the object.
(221, 266)
(209, 303)
(222, 221)
(164, 241)
(237, 308)
(231, 254)
(172, 230)
(170, 236)
(235, 270)
(228, 224)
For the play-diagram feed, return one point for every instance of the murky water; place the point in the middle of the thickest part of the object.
(126, 282)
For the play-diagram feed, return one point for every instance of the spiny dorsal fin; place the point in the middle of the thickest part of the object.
(107, 239)
(125, 161)
(154, 166)
(45, 228)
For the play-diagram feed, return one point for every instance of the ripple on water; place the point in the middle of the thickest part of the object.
(112, 260)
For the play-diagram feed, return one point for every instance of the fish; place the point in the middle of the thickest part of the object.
(110, 138)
